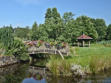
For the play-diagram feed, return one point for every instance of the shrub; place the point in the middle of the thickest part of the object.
(19, 50)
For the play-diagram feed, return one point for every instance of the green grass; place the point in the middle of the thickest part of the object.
(93, 59)
(98, 57)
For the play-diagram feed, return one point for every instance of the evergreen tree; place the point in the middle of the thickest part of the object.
(55, 13)
(34, 32)
(48, 14)
(52, 24)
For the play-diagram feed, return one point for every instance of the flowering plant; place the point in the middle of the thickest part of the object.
(63, 44)
(39, 43)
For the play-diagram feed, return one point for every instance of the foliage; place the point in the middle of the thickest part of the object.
(108, 36)
(65, 28)
(105, 43)
(87, 27)
(22, 33)
(56, 28)
(100, 27)
(19, 50)
(11, 45)
(6, 37)
(34, 35)
(39, 43)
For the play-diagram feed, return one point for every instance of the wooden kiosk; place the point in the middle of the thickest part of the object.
(84, 40)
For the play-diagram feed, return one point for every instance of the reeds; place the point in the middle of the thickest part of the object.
(58, 66)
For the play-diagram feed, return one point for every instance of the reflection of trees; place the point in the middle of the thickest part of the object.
(15, 75)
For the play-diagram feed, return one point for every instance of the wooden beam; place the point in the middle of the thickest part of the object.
(83, 43)
(61, 55)
(89, 43)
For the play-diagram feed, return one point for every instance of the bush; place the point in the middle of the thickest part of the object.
(19, 50)
(105, 43)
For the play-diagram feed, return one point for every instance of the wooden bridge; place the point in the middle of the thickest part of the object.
(46, 48)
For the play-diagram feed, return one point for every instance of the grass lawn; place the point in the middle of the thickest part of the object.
(96, 56)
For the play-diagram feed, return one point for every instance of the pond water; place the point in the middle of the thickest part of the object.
(18, 72)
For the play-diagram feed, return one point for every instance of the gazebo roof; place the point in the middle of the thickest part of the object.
(84, 37)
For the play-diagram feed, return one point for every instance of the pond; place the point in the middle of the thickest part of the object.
(18, 72)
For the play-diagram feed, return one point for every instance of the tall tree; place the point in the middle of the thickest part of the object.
(68, 16)
(55, 13)
(41, 33)
(108, 36)
(48, 14)
(7, 37)
(101, 27)
(22, 33)
(34, 32)
(86, 26)
(70, 30)
(53, 24)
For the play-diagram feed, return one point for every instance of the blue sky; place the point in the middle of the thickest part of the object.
(25, 12)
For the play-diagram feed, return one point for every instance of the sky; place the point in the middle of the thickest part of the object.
(26, 12)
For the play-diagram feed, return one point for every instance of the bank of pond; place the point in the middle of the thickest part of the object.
(82, 62)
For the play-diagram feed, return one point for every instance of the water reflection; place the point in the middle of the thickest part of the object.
(24, 73)
(34, 78)
(13, 74)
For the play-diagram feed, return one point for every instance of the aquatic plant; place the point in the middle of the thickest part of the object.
(58, 66)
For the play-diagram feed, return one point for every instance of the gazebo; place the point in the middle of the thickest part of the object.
(84, 40)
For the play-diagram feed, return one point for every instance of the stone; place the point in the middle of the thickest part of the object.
(77, 71)
(7, 60)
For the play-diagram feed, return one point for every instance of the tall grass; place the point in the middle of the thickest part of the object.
(59, 66)
(93, 59)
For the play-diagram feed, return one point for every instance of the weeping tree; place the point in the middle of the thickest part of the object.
(12, 46)
(6, 37)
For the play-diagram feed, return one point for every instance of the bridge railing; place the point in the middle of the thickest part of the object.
(47, 48)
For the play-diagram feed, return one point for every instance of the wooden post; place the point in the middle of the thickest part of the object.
(89, 43)
(61, 55)
(83, 43)
(30, 60)
(78, 43)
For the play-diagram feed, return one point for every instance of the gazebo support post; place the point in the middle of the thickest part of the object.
(78, 43)
(83, 43)
(89, 43)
